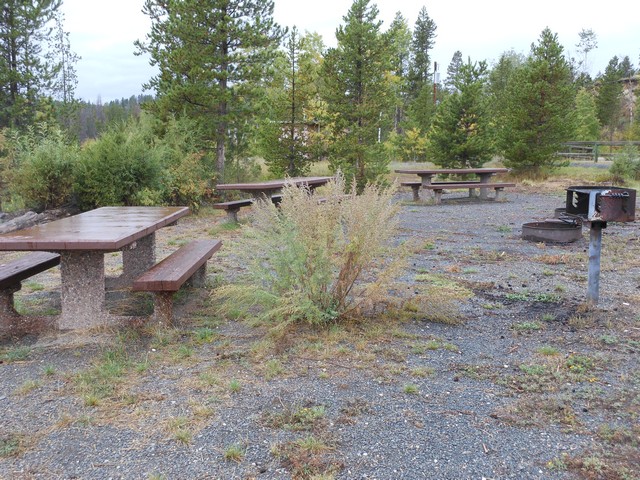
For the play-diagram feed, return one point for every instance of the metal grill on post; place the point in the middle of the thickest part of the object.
(599, 205)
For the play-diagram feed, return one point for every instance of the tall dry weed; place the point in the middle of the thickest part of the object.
(315, 261)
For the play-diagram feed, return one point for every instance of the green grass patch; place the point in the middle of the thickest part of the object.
(100, 381)
(295, 418)
(10, 445)
(548, 351)
(234, 453)
(16, 354)
(526, 327)
(410, 389)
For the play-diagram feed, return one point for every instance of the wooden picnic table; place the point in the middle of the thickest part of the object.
(426, 175)
(261, 190)
(82, 241)
(270, 187)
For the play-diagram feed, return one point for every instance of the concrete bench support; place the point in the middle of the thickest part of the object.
(11, 276)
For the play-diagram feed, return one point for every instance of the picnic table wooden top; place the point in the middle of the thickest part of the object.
(274, 185)
(103, 229)
(451, 171)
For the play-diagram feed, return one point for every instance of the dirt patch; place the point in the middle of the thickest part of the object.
(527, 382)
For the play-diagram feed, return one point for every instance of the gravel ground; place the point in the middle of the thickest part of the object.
(518, 380)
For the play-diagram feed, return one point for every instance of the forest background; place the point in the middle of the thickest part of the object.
(236, 93)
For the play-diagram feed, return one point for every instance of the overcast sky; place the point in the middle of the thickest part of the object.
(102, 32)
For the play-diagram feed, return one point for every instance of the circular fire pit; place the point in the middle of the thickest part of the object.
(550, 231)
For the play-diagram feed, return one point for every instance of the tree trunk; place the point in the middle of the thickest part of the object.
(220, 152)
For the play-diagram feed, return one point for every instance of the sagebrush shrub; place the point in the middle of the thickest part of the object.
(316, 261)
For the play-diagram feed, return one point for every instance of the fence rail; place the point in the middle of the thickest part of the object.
(591, 149)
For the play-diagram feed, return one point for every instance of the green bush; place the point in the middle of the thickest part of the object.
(626, 165)
(43, 164)
(315, 262)
(188, 174)
(116, 167)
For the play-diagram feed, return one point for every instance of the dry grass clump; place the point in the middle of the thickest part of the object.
(316, 261)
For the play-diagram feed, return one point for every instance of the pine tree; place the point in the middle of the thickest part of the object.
(500, 76)
(211, 56)
(609, 96)
(25, 75)
(399, 37)
(421, 78)
(461, 136)
(453, 70)
(587, 125)
(284, 139)
(358, 94)
(424, 34)
(538, 114)
(66, 80)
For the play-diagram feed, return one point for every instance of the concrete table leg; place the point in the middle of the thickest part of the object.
(140, 258)
(484, 191)
(82, 278)
(137, 258)
(426, 181)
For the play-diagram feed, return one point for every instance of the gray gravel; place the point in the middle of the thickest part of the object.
(472, 416)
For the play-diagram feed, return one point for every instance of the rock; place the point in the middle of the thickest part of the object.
(23, 221)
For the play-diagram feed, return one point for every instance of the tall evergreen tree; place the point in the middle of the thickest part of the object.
(66, 81)
(399, 37)
(285, 143)
(424, 35)
(25, 75)
(358, 94)
(453, 70)
(211, 56)
(461, 136)
(500, 76)
(539, 108)
(587, 125)
(609, 99)
(421, 77)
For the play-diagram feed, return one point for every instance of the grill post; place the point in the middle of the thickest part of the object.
(595, 247)
(599, 205)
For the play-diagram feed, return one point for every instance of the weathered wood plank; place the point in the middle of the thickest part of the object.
(24, 267)
(171, 273)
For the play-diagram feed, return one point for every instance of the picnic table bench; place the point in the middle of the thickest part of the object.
(438, 188)
(165, 278)
(233, 207)
(12, 273)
